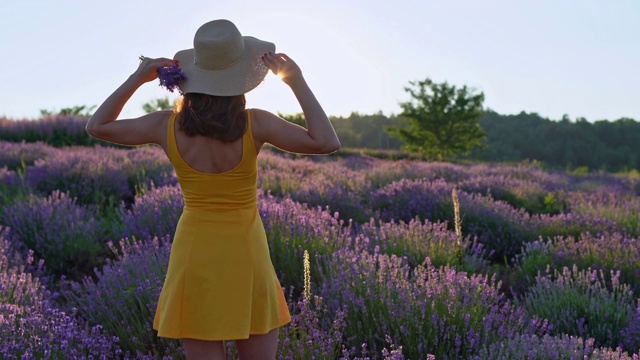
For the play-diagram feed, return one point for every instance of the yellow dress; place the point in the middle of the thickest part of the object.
(221, 284)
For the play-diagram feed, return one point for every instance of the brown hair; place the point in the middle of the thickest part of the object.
(219, 117)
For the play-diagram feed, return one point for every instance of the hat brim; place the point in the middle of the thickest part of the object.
(241, 77)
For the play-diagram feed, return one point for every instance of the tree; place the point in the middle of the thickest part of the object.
(158, 104)
(78, 110)
(440, 120)
(297, 118)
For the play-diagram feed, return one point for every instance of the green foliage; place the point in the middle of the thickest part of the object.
(158, 104)
(441, 120)
(582, 303)
(577, 146)
(78, 110)
(297, 118)
(553, 205)
(366, 131)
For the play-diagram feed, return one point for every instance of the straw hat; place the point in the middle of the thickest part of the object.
(222, 61)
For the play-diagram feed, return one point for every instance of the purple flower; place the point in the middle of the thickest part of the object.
(65, 234)
(122, 296)
(582, 303)
(170, 77)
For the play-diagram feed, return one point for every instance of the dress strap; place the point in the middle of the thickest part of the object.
(172, 146)
(249, 144)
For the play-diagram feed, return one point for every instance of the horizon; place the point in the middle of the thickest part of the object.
(540, 57)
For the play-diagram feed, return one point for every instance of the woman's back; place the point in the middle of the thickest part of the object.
(208, 155)
(209, 180)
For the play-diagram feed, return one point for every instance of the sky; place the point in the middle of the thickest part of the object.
(551, 57)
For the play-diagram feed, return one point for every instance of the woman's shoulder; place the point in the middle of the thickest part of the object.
(259, 117)
(165, 114)
(161, 117)
(260, 120)
(158, 123)
(260, 113)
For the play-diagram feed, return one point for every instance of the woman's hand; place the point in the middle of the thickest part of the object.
(148, 69)
(319, 137)
(282, 66)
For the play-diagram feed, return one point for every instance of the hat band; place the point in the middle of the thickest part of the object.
(195, 61)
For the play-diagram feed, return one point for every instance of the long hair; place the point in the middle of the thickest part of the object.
(219, 117)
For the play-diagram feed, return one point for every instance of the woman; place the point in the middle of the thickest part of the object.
(220, 284)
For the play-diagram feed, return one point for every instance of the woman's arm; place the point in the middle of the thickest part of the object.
(318, 138)
(143, 130)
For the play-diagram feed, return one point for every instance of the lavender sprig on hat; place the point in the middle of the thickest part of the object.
(170, 76)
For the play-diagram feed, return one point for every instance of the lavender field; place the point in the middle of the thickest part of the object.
(374, 260)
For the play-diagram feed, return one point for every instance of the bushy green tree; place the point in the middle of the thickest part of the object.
(440, 120)
(158, 104)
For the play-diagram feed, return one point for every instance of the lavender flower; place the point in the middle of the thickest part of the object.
(170, 77)
(606, 251)
(316, 184)
(55, 130)
(66, 235)
(631, 335)
(579, 302)
(550, 348)
(19, 155)
(385, 275)
(153, 213)
(100, 175)
(124, 296)
(32, 327)
(313, 333)
(424, 310)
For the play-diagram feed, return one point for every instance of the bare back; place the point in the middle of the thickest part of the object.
(208, 155)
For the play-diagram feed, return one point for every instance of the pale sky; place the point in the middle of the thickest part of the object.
(553, 57)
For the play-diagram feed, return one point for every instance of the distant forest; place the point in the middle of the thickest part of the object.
(572, 145)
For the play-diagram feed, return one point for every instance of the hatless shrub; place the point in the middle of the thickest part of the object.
(325, 184)
(570, 224)
(55, 130)
(313, 333)
(549, 347)
(154, 212)
(11, 187)
(582, 303)
(32, 327)
(19, 155)
(621, 207)
(291, 228)
(417, 240)
(426, 310)
(90, 176)
(517, 192)
(99, 175)
(607, 251)
(66, 235)
(499, 227)
(122, 297)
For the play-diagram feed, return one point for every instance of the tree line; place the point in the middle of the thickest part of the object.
(600, 145)
(567, 144)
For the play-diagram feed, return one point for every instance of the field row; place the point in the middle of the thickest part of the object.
(544, 265)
